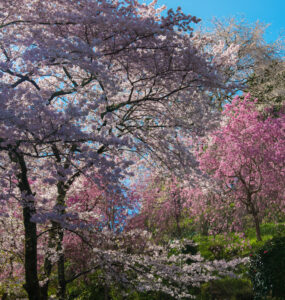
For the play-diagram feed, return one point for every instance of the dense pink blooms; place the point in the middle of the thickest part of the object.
(246, 159)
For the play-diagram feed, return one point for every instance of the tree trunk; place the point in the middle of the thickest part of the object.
(179, 231)
(178, 209)
(60, 202)
(57, 232)
(257, 226)
(60, 267)
(30, 245)
(31, 273)
(106, 293)
(254, 212)
(48, 262)
(55, 242)
(44, 291)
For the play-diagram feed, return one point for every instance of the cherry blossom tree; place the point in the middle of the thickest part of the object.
(81, 84)
(101, 207)
(245, 157)
(259, 67)
(268, 84)
(161, 205)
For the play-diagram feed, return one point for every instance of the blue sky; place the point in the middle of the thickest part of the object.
(272, 11)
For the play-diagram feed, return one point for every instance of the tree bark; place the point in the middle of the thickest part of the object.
(48, 262)
(60, 267)
(60, 202)
(254, 213)
(178, 209)
(31, 274)
(179, 231)
(257, 226)
(30, 245)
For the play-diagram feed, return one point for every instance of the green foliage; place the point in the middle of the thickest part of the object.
(92, 288)
(93, 291)
(222, 247)
(233, 245)
(86, 289)
(228, 289)
(267, 269)
(266, 85)
(268, 230)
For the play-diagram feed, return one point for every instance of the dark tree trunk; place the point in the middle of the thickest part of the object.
(257, 227)
(57, 232)
(106, 293)
(179, 231)
(60, 202)
(254, 213)
(30, 245)
(60, 268)
(44, 291)
(48, 262)
(178, 209)
(31, 274)
(55, 242)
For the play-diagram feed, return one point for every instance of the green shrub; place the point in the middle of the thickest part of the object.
(227, 289)
(267, 269)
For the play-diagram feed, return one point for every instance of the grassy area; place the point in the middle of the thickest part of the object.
(236, 244)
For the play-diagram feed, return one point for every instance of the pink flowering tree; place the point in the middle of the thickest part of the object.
(245, 158)
(161, 205)
(97, 210)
